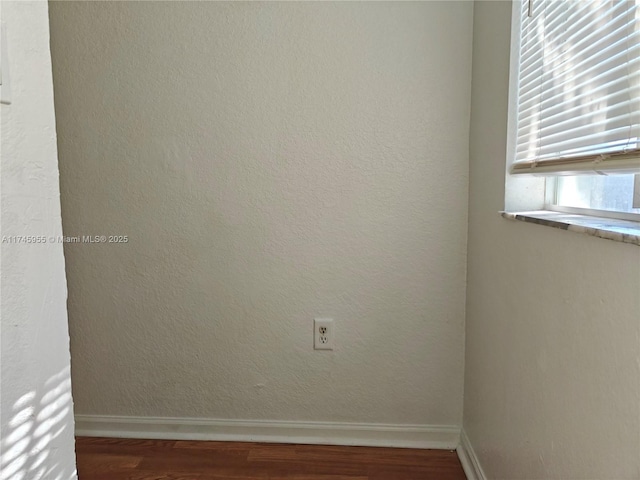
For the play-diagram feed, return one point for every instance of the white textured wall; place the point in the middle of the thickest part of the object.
(36, 416)
(270, 162)
(552, 380)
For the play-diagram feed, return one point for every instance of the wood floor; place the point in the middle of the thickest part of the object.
(120, 459)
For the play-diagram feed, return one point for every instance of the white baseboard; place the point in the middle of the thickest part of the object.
(468, 459)
(362, 434)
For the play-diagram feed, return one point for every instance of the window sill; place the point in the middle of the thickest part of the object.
(612, 229)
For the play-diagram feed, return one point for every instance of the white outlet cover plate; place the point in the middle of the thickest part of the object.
(323, 333)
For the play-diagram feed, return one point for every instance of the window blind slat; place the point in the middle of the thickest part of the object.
(581, 31)
(604, 131)
(578, 22)
(582, 25)
(598, 121)
(619, 85)
(591, 74)
(571, 117)
(571, 148)
(579, 82)
(595, 56)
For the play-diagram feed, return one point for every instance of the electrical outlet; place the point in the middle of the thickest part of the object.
(323, 333)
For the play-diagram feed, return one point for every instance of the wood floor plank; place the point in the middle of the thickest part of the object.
(134, 475)
(128, 459)
(272, 452)
(241, 447)
(106, 463)
(318, 477)
(103, 445)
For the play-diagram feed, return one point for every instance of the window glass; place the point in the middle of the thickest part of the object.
(598, 192)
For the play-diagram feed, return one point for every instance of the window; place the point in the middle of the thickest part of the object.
(578, 103)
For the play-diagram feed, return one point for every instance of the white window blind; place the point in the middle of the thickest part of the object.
(578, 99)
